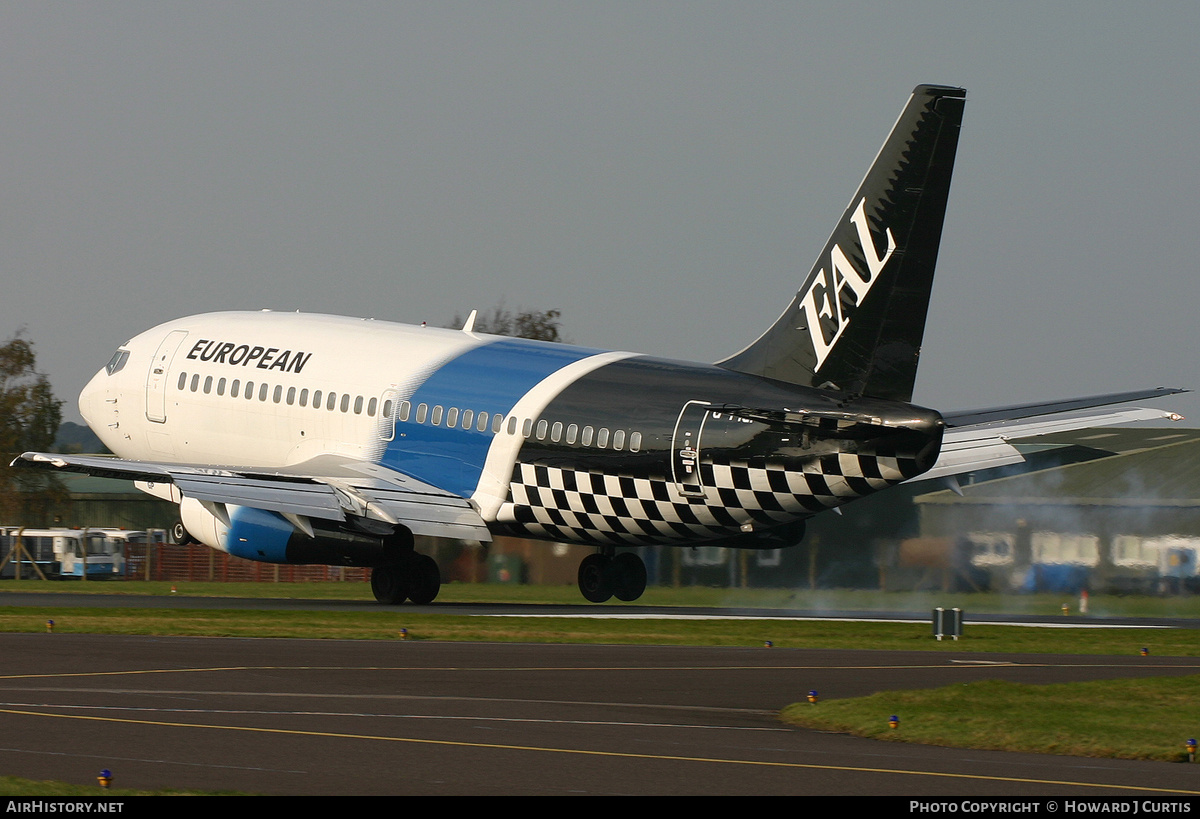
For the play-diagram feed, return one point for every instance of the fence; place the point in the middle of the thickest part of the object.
(200, 563)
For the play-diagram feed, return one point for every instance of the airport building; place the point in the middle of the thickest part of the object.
(1127, 522)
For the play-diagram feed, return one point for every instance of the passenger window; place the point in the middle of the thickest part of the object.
(221, 387)
(304, 397)
(405, 407)
(291, 396)
(195, 382)
(556, 432)
(512, 425)
(619, 439)
(422, 413)
(208, 385)
(317, 399)
(497, 423)
(374, 402)
(262, 391)
(345, 402)
(572, 433)
(635, 442)
(233, 388)
(358, 402)
(468, 417)
(331, 402)
(452, 417)
(541, 429)
(602, 437)
(527, 428)
(249, 390)
(436, 419)
(278, 396)
(586, 440)
(182, 381)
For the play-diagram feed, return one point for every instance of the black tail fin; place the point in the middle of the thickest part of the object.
(856, 324)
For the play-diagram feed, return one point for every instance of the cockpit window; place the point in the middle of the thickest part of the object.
(117, 361)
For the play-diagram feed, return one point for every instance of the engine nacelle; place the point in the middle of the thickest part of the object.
(269, 537)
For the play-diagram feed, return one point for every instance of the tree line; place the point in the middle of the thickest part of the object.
(30, 416)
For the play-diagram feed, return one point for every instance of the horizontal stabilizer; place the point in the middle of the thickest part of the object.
(981, 439)
(984, 416)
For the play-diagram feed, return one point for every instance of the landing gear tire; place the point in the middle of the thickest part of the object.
(595, 582)
(628, 576)
(387, 584)
(180, 535)
(423, 579)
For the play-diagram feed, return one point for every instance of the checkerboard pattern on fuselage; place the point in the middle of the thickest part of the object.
(593, 507)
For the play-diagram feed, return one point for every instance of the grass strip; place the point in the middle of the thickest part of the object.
(865, 600)
(388, 624)
(1126, 719)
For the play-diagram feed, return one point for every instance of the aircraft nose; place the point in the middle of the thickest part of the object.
(91, 399)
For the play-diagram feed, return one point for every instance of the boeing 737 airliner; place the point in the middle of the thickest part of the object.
(294, 438)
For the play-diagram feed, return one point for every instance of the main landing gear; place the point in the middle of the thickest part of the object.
(605, 575)
(415, 578)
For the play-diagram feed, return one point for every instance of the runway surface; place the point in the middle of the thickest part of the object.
(349, 717)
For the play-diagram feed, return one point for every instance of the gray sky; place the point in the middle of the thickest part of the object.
(663, 172)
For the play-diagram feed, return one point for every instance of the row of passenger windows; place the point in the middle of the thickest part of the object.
(436, 415)
(556, 432)
(291, 397)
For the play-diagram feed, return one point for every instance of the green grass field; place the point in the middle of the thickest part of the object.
(1125, 719)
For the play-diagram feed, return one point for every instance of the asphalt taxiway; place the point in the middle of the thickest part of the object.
(394, 717)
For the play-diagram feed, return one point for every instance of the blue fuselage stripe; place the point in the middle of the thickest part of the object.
(490, 378)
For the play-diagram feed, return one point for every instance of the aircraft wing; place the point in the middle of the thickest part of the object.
(371, 491)
(980, 439)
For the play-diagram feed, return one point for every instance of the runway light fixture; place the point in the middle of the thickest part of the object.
(49, 626)
(812, 696)
(1191, 750)
(894, 721)
(105, 778)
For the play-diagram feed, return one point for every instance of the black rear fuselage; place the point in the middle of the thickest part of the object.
(647, 451)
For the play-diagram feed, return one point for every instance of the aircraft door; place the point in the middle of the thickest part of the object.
(685, 448)
(156, 379)
(389, 407)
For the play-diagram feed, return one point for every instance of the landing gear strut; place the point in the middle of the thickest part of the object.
(602, 576)
(416, 578)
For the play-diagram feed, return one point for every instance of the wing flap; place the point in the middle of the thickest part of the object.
(314, 500)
